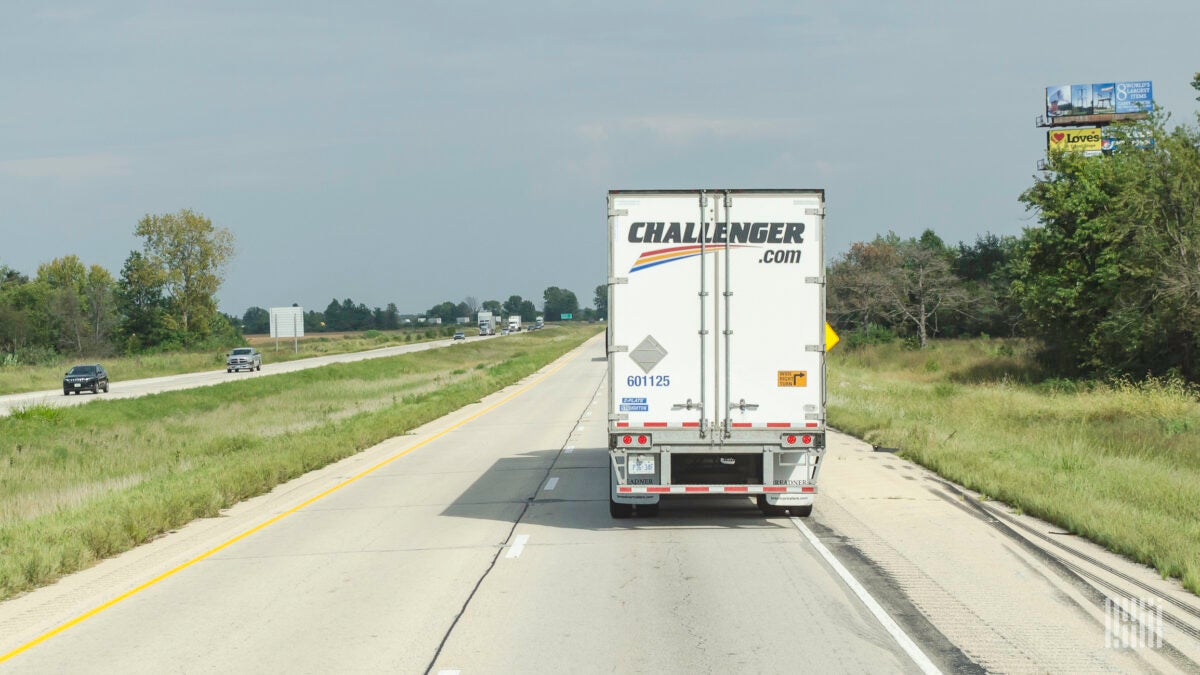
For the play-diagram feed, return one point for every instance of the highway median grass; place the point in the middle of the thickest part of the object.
(15, 379)
(83, 483)
(1116, 462)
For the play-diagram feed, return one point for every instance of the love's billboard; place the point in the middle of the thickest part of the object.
(1085, 140)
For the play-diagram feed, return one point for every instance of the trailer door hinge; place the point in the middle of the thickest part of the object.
(814, 280)
(613, 281)
(814, 212)
(613, 213)
(813, 348)
(618, 348)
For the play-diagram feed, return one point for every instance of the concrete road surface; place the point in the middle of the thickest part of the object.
(154, 385)
(482, 543)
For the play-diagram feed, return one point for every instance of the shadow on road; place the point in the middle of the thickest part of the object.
(580, 497)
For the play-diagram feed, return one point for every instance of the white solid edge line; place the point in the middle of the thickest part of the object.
(550, 483)
(519, 545)
(906, 643)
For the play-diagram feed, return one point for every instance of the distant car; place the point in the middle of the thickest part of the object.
(460, 335)
(504, 331)
(243, 358)
(80, 378)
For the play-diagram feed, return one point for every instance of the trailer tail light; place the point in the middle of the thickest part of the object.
(797, 440)
(629, 440)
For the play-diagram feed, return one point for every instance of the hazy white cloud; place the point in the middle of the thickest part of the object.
(69, 167)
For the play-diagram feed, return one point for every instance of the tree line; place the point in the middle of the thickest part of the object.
(164, 297)
(1108, 283)
(346, 315)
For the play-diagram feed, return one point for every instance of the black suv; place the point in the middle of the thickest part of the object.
(79, 378)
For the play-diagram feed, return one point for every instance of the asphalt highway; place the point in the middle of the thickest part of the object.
(482, 543)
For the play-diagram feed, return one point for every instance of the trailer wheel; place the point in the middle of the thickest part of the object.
(768, 510)
(618, 510)
(647, 510)
(801, 511)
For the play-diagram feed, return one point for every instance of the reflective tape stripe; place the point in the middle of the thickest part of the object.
(716, 489)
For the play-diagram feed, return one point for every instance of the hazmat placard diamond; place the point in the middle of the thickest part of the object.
(648, 354)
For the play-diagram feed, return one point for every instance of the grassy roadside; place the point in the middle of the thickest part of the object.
(22, 378)
(1117, 463)
(79, 484)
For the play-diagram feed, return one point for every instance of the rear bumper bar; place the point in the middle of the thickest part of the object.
(717, 489)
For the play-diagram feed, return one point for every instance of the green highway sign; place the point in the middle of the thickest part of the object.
(565, 316)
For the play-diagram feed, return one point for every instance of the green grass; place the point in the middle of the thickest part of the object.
(1116, 462)
(83, 483)
(22, 378)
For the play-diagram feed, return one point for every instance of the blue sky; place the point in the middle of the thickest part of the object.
(414, 153)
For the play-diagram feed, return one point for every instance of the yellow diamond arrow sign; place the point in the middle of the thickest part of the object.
(831, 338)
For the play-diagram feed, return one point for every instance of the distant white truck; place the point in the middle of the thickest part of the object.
(716, 347)
(487, 324)
(539, 323)
(514, 323)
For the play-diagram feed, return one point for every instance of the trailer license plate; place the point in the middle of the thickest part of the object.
(641, 464)
(76, 385)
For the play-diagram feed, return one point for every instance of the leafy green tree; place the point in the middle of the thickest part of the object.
(192, 254)
(512, 306)
(446, 311)
(65, 309)
(1110, 282)
(492, 306)
(559, 301)
(256, 321)
(314, 322)
(527, 311)
(390, 319)
(140, 303)
(100, 303)
(600, 301)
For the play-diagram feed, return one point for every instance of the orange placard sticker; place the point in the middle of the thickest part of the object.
(793, 378)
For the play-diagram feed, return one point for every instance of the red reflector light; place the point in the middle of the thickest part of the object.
(808, 489)
(627, 440)
(641, 440)
(791, 440)
(806, 439)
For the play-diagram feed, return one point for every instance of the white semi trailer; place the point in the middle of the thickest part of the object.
(514, 323)
(487, 324)
(716, 347)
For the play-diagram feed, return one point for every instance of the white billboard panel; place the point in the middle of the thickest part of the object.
(287, 322)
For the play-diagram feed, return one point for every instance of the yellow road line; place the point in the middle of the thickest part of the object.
(175, 570)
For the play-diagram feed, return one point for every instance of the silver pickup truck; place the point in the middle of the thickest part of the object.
(243, 358)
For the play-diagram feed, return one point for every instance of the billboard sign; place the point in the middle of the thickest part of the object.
(287, 322)
(1105, 98)
(1134, 96)
(1087, 140)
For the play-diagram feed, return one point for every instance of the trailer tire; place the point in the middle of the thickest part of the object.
(618, 510)
(768, 510)
(647, 510)
(801, 511)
